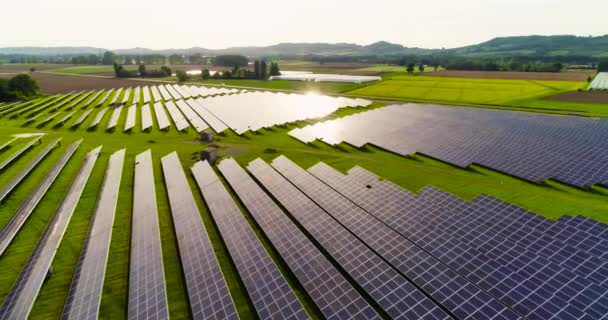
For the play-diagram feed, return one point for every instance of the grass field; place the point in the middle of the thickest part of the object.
(303, 86)
(550, 199)
(88, 69)
(509, 93)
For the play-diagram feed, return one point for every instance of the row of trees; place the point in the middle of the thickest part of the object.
(19, 87)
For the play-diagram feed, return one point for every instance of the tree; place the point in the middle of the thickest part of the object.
(108, 58)
(230, 60)
(274, 69)
(182, 76)
(23, 85)
(176, 59)
(117, 69)
(32, 69)
(602, 66)
(256, 68)
(217, 75)
(410, 68)
(93, 59)
(205, 74)
(421, 67)
(166, 70)
(227, 74)
(263, 70)
(142, 70)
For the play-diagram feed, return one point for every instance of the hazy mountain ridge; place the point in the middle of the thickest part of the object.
(519, 45)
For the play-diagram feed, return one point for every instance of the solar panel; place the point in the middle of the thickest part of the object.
(79, 100)
(114, 100)
(105, 98)
(84, 295)
(65, 102)
(92, 100)
(98, 118)
(534, 147)
(131, 117)
(161, 116)
(47, 120)
(331, 292)
(146, 117)
(155, 94)
(419, 219)
(22, 296)
(126, 96)
(216, 124)
(432, 277)
(17, 220)
(13, 157)
(7, 144)
(146, 94)
(136, 96)
(147, 290)
(194, 119)
(390, 290)
(114, 118)
(18, 178)
(178, 119)
(269, 291)
(82, 117)
(207, 290)
(64, 119)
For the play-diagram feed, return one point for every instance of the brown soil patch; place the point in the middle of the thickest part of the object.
(582, 96)
(55, 83)
(578, 75)
(16, 68)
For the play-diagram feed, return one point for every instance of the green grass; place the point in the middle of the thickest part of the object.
(304, 86)
(89, 69)
(550, 199)
(506, 93)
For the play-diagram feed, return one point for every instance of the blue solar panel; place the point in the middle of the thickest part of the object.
(391, 291)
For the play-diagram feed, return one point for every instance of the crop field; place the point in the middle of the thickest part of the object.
(582, 96)
(412, 173)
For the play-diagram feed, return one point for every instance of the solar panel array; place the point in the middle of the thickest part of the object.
(269, 291)
(252, 111)
(390, 290)
(453, 291)
(600, 82)
(22, 296)
(84, 295)
(474, 239)
(207, 290)
(534, 147)
(147, 290)
(178, 118)
(12, 227)
(329, 289)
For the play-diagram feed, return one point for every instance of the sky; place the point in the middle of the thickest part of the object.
(120, 24)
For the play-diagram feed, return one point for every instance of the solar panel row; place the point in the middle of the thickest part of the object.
(98, 118)
(114, 118)
(82, 117)
(17, 154)
(161, 116)
(147, 290)
(269, 291)
(390, 290)
(84, 295)
(19, 177)
(207, 290)
(329, 289)
(22, 296)
(12, 227)
(131, 117)
(534, 147)
(146, 117)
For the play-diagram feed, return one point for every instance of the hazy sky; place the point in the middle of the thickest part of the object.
(218, 24)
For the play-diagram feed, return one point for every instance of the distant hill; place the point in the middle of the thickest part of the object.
(506, 46)
(538, 45)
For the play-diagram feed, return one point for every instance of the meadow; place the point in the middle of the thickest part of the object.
(550, 199)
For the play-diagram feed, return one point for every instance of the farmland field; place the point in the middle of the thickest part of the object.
(582, 96)
(569, 75)
(413, 173)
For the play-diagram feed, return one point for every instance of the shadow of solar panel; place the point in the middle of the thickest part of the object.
(22, 296)
(84, 295)
(207, 291)
(331, 292)
(391, 291)
(269, 291)
(147, 290)
(26, 208)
